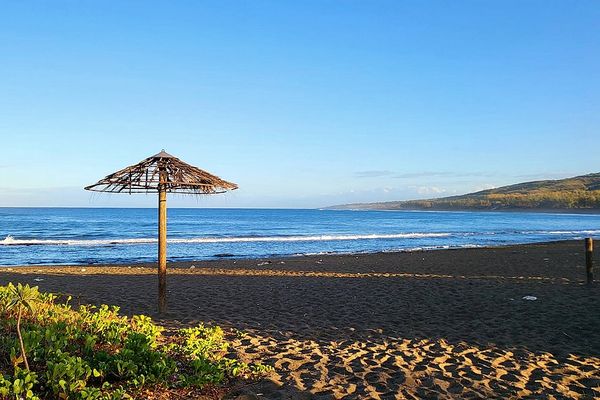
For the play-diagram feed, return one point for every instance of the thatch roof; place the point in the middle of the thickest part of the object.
(162, 169)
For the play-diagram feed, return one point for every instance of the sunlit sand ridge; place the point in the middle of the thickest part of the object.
(411, 368)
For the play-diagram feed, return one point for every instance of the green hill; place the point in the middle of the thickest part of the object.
(581, 193)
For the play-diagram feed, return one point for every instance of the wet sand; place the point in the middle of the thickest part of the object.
(438, 324)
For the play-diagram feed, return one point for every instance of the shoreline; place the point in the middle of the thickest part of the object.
(230, 258)
(424, 324)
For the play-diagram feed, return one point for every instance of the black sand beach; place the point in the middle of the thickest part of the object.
(437, 324)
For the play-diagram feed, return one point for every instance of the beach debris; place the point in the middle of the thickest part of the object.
(531, 298)
(263, 263)
(83, 269)
(281, 262)
(546, 259)
(38, 279)
(192, 266)
(9, 269)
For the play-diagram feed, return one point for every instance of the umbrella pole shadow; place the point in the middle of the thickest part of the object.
(162, 294)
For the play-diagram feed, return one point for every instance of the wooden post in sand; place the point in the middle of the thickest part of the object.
(162, 247)
(589, 260)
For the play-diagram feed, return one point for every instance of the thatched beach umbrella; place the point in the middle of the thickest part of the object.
(162, 173)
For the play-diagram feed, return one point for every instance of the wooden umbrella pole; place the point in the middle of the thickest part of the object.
(162, 249)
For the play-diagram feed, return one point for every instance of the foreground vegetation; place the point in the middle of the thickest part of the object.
(49, 349)
(578, 193)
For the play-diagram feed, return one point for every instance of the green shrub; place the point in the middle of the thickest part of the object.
(18, 386)
(93, 353)
(203, 342)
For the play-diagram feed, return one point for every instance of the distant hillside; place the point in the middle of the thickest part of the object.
(581, 193)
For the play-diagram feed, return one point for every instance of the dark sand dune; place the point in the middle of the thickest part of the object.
(441, 324)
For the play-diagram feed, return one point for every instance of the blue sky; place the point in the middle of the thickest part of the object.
(302, 103)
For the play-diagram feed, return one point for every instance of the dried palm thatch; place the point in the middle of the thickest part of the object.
(160, 174)
(162, 171)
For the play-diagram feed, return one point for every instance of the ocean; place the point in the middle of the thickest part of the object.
(128, 235)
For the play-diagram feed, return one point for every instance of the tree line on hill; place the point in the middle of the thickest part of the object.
(578, 193)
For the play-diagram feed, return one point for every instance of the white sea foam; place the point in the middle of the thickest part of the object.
(428, 248)
(11, 241)
(585, 232)
(591, 232)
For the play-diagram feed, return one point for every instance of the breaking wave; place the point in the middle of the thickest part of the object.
(11, 241)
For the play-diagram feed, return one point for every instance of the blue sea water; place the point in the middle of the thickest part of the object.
(126, 235)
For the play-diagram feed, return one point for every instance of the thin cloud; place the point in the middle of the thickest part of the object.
(546, 175)
(428, 190)
(372, 173)
(485, 186)
(443, 174)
